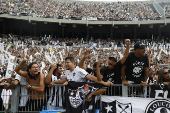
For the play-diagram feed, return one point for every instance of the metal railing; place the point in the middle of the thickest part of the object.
(134, 90)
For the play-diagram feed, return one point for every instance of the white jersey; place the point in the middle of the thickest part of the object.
(24, 91)
(77, 75)
(57, 88)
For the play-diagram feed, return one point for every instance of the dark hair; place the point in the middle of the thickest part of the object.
(30, 65)
(95, 64)
(160, 75)
(70, 58)
(58, 65)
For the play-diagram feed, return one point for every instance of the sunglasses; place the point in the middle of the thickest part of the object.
(166, 73)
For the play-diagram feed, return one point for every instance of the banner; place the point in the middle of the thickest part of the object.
(159, 103)
(159, 91)
(37, 53)
(2, 59)
(61, 57)
(93, 46)
(10, 66)
(47, 56)
(8, 46)
(120, 54)
(115, 48)
(22, 45)
(25, 51)
(113, 104)
(42, 66)
(32, 43)
(76, 93)
(91, 18)
(58, 111)
(1, 47)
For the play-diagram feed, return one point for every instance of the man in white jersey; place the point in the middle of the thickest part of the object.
(78, 74)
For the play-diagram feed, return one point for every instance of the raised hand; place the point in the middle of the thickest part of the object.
(53, 66)
(127, 41)
(26, 58)
(87, 54)
(99, 62)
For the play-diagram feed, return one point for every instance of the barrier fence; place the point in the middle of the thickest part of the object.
(16, 101)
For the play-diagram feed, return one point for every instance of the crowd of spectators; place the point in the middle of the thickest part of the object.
(80, 10)
(100, 48)
(167, 10)
(46, 51)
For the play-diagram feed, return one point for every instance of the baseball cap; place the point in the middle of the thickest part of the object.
(139, 45)
(114, 57)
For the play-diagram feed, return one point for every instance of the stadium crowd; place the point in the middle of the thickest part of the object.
(47, 51)
(79, 10)
(167, 10)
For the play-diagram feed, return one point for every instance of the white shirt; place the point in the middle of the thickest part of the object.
(24, 91)
(53, 102)
(77, 75)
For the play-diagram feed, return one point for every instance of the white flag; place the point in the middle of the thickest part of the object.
(32, 43)
(8, 47)
(61, 56)
(10, 66)
(25, 51)
(48, 57)
(42, 66)
(30, 58)
(1, 47)
(115, 48)
(159, 55)
(22, 45)
(120, 54)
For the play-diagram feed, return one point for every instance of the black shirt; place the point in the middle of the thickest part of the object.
(113, 75)
(135, 67)
(91, 72)
(159, 90)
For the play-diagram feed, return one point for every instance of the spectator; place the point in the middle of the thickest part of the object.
(91, 72)
(112, 71)
(24, 92)
(79, 75)
(55, 76)
(79, 10)
(163, 76)
(162, 85)
(136, 67)
(33, 76)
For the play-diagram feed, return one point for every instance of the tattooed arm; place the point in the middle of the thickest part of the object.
(124, 75)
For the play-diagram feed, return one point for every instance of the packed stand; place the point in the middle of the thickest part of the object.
(167, 10)
(89, 55)
(80, 11)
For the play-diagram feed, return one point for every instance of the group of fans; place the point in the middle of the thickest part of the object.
(80, 10)
(128, 62)
(167, 10)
